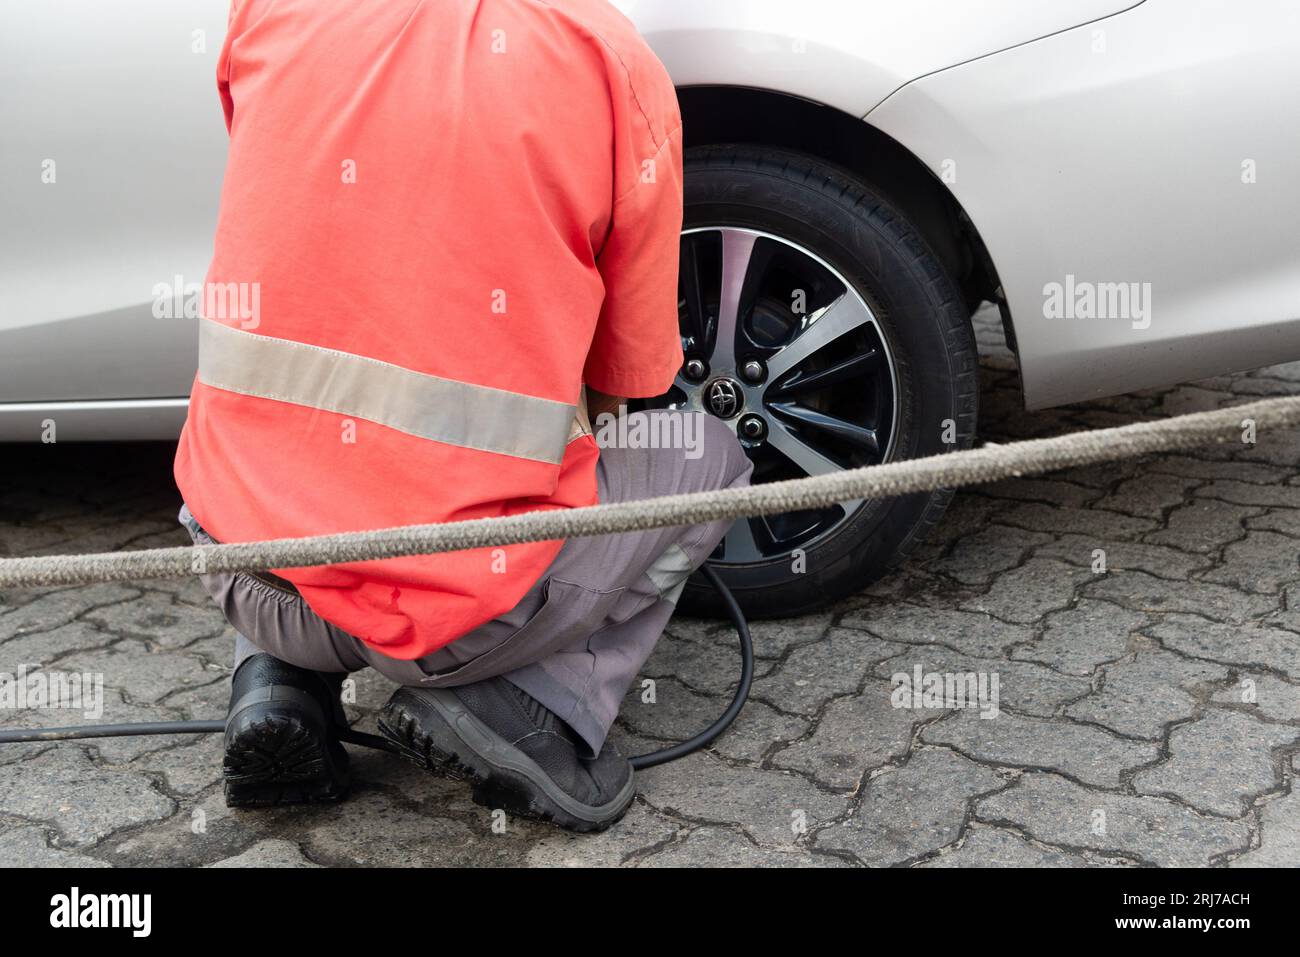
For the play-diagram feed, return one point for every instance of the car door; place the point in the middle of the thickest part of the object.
(111, 154)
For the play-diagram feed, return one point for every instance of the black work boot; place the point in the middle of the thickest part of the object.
(518, 755)
(282, 742)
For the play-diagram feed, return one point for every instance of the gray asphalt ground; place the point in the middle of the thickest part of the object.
(1148, 714)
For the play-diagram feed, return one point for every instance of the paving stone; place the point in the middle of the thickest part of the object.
(772, 807)
(1052, 491)
(758, 730)
(1051, 809)
(30, 847)
(113, 708)
(978, 558)
(855, 734)
(724, 847)
(967, 513)
(1024, 595)
(1288, 613)
(17, 540)
(1148, 496)
(160, 620)
(1263, 562)
(706, 666)
(268, 854)
(143, 675)
(814, 673)
(1078, 639)
(1279, 834)
(1104, 475)
(910, 811)
(1264, 696)
(1158, 560)
(1284, 521)
(1194, 468)
(1287, 371)
(372, 829)
(1145, 692)
(60, 607)
(1253, 388)
(1190, 398)
(1220, 762)
(202, 831)
(1205, 525)
(110, 537)
(1139, 591)
(1276, 447)
(772, 639)
(973, 633)
(1085, 753)
(678, 713)
(1250, 645)
(201, 702)
(1100, 418)
(1021, 686)
(1079, 521)
(1199, 595)
(82, 802)
(995, 847)
(189, 767)
(640, 831)
(49, 647)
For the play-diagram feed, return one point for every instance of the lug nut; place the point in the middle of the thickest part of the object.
(752, 427)
(695, 369)
(753, 371)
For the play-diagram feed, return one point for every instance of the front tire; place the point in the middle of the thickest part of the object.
(848, 344)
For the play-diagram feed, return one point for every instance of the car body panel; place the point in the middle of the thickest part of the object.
(1120, 153)
(1112, 166)
(122, 100)
(849, 54)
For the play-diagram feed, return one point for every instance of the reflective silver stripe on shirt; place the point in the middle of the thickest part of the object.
(444, 410)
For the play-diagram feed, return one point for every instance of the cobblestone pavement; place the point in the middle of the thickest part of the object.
(1149, 714)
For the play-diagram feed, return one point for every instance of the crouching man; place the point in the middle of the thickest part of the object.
(462, 221)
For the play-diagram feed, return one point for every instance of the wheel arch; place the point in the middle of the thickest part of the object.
(714, 115)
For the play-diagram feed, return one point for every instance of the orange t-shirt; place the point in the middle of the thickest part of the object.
(484, 191)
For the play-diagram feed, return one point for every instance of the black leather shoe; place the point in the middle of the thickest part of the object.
(518, 755)
(282, 743)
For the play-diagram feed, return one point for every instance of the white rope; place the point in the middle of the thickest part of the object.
(874, 482)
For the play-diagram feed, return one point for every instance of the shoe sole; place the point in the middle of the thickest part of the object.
(449, 740)
(278, 754)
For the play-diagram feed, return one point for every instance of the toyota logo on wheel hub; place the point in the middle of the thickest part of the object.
(723, 397)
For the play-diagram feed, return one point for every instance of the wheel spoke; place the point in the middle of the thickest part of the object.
(803, 455)
(842, 316)
(737, 251)
(802, 382)
(858, 435)
(741, 544)
(697, 319)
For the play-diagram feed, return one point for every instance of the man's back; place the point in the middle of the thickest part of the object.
(441, 206)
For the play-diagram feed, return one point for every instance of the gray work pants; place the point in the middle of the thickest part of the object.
(577, 639)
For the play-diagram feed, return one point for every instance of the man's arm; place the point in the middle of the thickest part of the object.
(598, 404)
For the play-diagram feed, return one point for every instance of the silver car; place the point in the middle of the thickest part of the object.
(1120, 178)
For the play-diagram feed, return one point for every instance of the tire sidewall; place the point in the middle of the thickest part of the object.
(917, 309)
